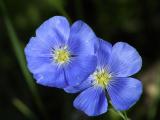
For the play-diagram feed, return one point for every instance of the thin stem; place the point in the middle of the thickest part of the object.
(57, 4)
(125, 114)
(122, 114)
(17, 47)
(24, 109)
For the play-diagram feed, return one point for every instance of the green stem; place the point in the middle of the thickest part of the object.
(65, 14)
(24, 109)
(57, 4)
(123, 115)
(21, 59)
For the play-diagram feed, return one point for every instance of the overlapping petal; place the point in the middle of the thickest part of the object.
(103, 53)
(55, 31)
(82, 40)
(92, 101)
(79, 69)
(52, 77)
(124, 92)
(82, 86)
(38, 64)
(38, 48)
(125, 60)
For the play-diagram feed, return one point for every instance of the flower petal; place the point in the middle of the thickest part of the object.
(54, 30)
(38, 48)
(92, 101)
(82, 86)
(125, 60)
(103, 53)
(46, 72)
(52, 77)
(82, 40)
(38, 55)
(124, 92)
(79, 69)
(38, 64)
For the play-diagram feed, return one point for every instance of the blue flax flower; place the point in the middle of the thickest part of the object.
(61, 55)
(114, 66)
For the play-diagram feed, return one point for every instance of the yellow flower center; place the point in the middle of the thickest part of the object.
(101, 77)
(61, 55)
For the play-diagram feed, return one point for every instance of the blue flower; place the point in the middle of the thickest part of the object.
(114, 66)
(61, 55)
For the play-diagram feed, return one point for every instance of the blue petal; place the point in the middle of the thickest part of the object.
(38, 48)
(79, 69)
(82, 40)
(55, 31)
(38, 64)
(52, 77)
(124, 92)
(92, 101)
(103, 53)
(38, 55)
(82, 86)
(125, 60)
(46, 72)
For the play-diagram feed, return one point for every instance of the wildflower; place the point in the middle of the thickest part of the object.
(61, 55)
(115, 65)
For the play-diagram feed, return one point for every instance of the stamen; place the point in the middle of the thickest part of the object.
(101, 77)
(61, 55)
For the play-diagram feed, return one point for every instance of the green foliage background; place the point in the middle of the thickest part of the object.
(133, 21)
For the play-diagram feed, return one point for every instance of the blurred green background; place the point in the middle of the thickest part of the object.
(134, 21)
